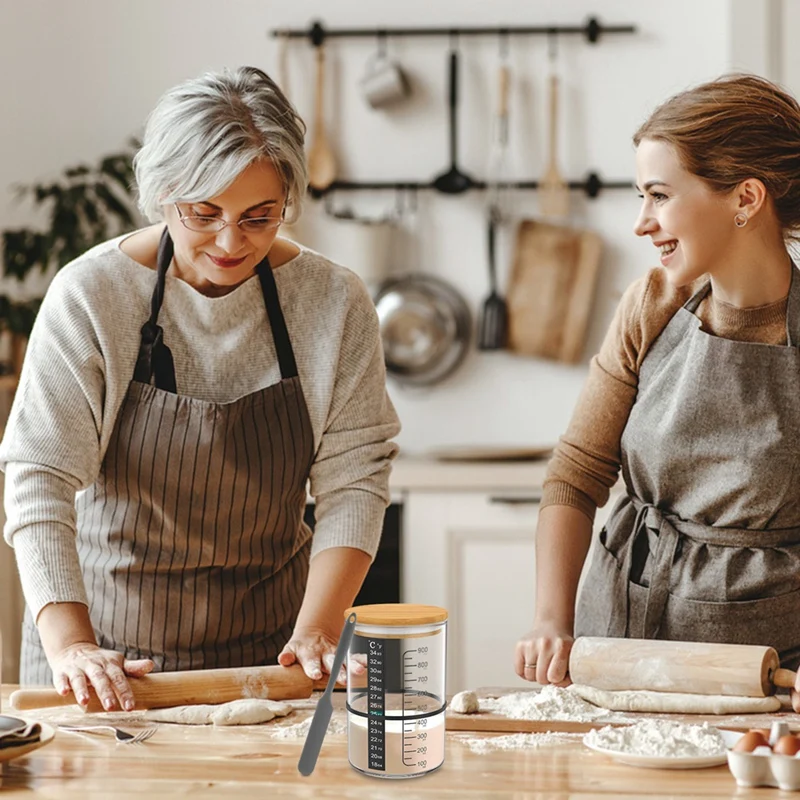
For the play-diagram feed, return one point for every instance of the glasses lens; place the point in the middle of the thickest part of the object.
(259, 224)
(202, 224)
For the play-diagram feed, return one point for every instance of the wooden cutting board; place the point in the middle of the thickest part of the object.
(551, 290)
(464, 453)
(489, 722)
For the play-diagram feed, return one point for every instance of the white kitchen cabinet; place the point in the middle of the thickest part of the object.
(472, 552)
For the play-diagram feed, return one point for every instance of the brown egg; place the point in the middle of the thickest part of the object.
(787, 745)
(750, 741)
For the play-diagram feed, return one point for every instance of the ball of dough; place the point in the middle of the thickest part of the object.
(465, 703)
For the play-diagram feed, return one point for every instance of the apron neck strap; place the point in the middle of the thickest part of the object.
(793, 310)
(694, 301)
(277, 323)
(155, 359)
(792, 307)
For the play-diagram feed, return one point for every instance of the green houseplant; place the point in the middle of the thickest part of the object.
(84, 206)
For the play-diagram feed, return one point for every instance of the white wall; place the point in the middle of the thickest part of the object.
(87, 72)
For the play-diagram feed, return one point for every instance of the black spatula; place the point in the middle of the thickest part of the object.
(493, 327)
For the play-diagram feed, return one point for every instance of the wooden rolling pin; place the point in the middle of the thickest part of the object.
(694, 667)
(164, 689)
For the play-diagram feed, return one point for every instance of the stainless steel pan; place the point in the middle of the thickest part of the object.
(426, 328)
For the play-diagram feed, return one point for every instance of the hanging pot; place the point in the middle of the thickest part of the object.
(426, 328)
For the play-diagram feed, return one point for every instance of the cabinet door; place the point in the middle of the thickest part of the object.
(473, 554)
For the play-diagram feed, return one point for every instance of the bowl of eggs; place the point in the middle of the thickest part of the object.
(761, 757)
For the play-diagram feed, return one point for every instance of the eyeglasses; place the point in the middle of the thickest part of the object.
(200, 224)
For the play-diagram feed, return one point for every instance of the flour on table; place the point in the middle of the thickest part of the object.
(675, 702)
(516, 741)
(465, 703)
(658, 737)
(551, 703)
(337, 725)
(236, 712)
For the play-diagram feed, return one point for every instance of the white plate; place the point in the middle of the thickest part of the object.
(7, 753)
(661, 762)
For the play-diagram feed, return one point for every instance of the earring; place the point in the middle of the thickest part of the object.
(740, 220)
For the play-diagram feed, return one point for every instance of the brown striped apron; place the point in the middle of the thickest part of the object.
(705, 545)
(191, 541)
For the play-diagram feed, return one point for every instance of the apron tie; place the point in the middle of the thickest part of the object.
(662, 542)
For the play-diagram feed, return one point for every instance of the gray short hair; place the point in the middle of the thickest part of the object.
(205, 132)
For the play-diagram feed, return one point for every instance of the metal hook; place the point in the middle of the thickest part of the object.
(503, 42)
(453, 39)
(552, 45)
(382, 44)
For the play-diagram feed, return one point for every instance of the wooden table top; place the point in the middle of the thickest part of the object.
(251, 762)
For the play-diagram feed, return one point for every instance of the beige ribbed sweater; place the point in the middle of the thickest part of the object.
(586, 460)
(80, 360)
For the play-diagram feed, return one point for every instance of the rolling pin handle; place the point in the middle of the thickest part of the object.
(785, 678)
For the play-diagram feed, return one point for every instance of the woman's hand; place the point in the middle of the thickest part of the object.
(82, 664)
(796, 694)
(543, 654)
(314, 649)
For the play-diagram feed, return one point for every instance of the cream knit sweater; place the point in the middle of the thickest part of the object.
(80, 361)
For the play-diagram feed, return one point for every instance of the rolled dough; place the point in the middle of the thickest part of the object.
(676, 703)
(236, 712)
(465, 703)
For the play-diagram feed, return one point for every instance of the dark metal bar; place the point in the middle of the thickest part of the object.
(592, 185)
(592, 30)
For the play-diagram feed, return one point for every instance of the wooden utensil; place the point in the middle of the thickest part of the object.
(496, 723)
(164, 689)
(553, 188)
(550, 294)
(321, 160)
(663, 666)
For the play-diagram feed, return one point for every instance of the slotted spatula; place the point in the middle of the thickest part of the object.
(493, 326)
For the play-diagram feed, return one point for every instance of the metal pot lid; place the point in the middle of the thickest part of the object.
(425, 328)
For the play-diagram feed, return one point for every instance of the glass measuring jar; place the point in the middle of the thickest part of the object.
(396, 710)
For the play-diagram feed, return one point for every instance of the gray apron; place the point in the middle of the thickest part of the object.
(705, 545)
(191, 541)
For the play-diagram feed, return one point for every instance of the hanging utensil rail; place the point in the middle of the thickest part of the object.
(592, 185)
(592, 29)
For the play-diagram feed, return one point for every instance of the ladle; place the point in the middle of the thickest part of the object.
(453, 181)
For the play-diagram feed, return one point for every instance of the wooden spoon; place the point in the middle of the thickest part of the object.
(553, 188)
(321, 160)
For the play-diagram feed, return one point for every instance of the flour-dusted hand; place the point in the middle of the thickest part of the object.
(543, 655)
(795, 694)
(82, 664)
(314, 649)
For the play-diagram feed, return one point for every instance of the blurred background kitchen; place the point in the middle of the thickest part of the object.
(82, 76)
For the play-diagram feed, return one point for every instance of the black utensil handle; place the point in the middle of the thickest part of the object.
(491, 243)
(453, 107)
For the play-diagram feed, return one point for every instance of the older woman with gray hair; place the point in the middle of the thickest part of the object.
(182, 386)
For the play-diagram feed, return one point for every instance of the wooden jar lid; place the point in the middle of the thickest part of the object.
(397, 614)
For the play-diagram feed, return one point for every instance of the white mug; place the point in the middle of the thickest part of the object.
(384, 82)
